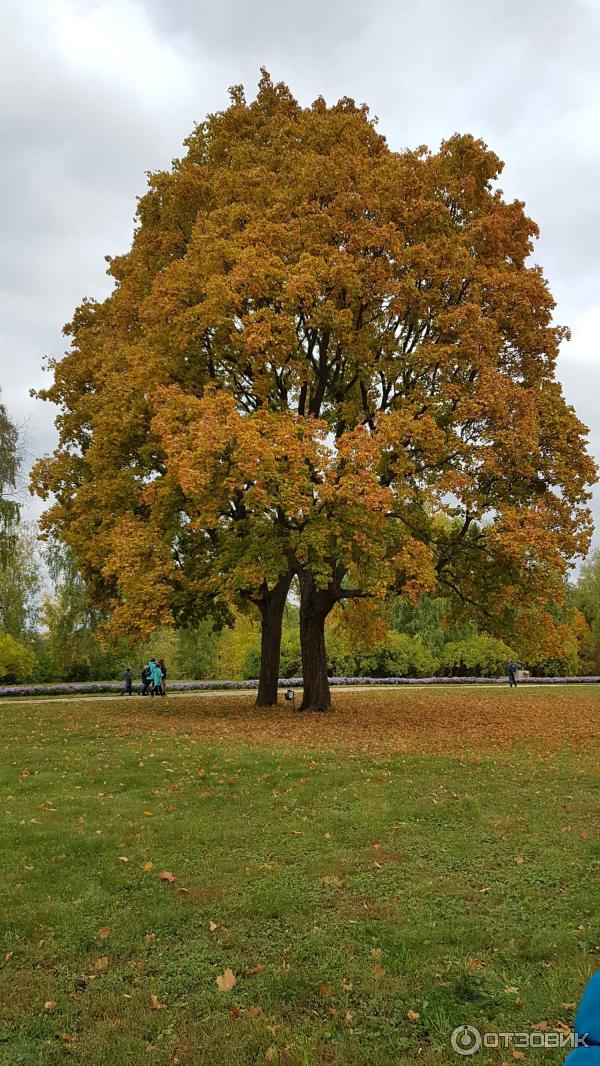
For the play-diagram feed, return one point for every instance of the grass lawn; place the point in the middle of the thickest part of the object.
(372, 878)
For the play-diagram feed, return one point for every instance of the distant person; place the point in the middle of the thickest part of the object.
(512, 674)
(146, 681)
(156, 677)
(127, 691)
(163, 670)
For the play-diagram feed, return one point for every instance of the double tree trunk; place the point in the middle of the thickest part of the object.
(315, 605)
(271, 608)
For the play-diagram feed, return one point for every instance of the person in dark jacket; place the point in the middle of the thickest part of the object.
(163, 670)
(146, 681)
(512, 674)
(127, 691)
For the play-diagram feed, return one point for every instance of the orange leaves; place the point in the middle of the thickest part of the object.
(167, 876)
(155, 1003)
(226, 981)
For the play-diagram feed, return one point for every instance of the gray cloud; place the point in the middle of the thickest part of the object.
(96, 92)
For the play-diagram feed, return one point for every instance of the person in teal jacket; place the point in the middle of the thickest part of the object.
(587, 1024)
(155, 677)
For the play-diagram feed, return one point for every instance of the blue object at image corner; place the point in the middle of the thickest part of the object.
(587, 1023)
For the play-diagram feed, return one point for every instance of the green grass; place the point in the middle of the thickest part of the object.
(463, 889)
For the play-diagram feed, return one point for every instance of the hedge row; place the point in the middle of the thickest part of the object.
(84, 687)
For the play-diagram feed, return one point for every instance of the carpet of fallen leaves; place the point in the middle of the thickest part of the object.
(380, 721)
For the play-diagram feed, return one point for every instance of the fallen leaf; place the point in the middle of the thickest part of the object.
(148, 866)
(155, 1003)
(50, 1005)
(234, 1011)
(167, 876)
(324, 989)
(104, 932)
(254, 1011)
(101, 963)
(518, 1055)
(254, 969)
(413, 1015)
(226, 981)
(212, 926)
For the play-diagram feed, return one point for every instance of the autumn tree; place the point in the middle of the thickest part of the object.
(325, 359)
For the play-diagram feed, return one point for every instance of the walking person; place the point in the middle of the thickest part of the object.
(163, 670)
(512, 674)
(127, 691)
(156, 677)
(146, 681)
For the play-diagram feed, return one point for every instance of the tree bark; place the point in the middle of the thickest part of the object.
(315, 605)
(271, 608)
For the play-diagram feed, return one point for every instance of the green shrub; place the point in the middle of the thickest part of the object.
(17, 662)
(479, 655)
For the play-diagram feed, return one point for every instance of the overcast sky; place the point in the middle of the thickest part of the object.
(96, 92)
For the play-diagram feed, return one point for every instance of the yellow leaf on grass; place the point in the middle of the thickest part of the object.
(225, 981)
(104, 932)
(148, 866)
(101, 963)
(413, 1015)
(50, 1005)
(155, 1004)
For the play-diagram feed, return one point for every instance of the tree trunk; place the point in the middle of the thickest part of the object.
(315, 605)
(271, 608)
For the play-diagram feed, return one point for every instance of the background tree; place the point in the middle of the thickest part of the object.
(20, 584)
(9, 468)
(587, 598)
(73, 648)
(321, 358)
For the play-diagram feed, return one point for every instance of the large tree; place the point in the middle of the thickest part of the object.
(321, 358)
